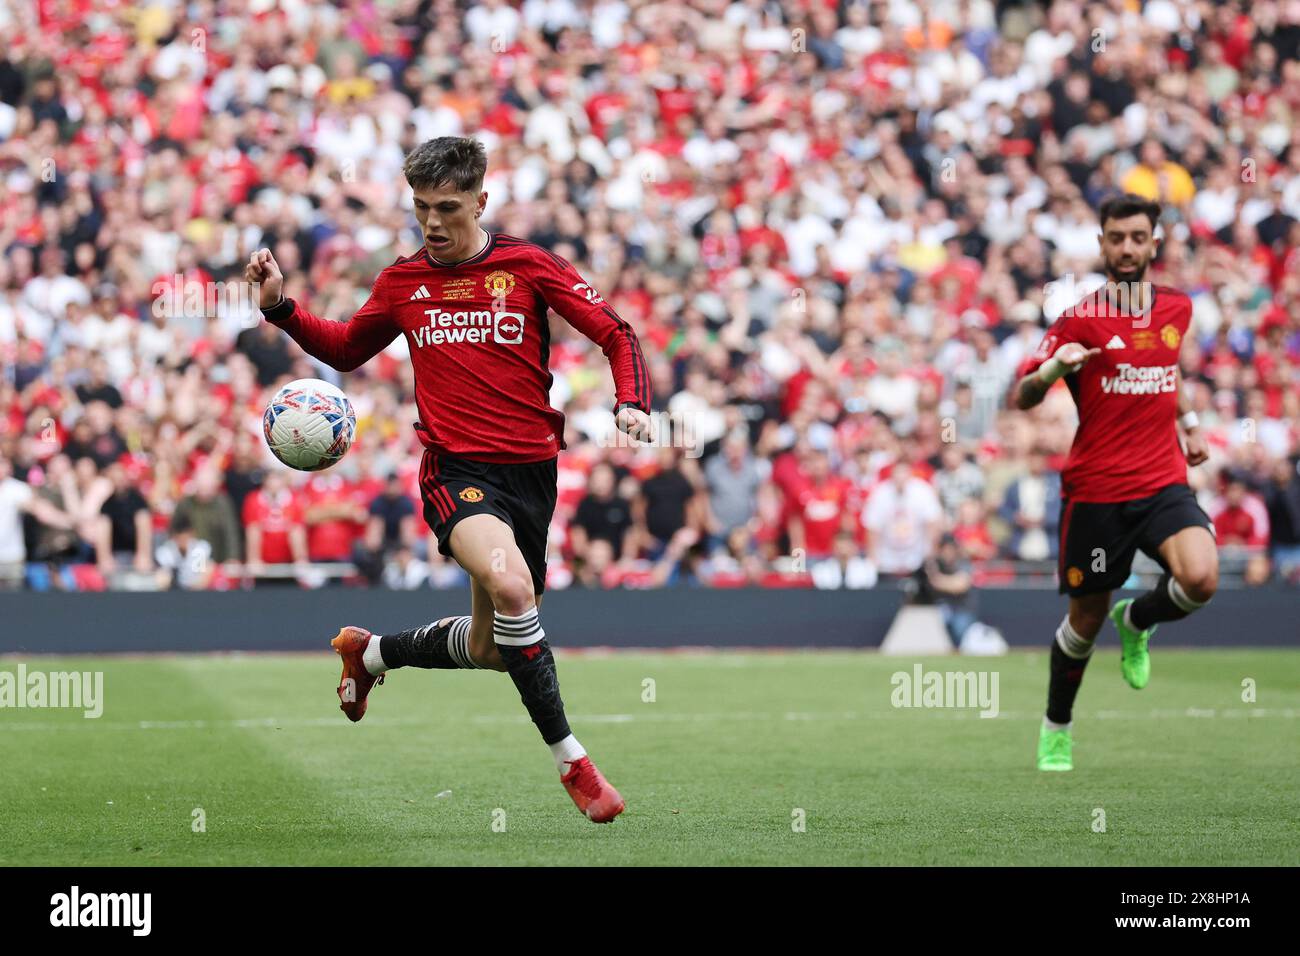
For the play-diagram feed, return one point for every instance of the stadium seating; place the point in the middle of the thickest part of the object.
(835, 227)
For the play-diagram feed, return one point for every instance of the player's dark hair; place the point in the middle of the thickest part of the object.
(1121, 207)
(448, 159)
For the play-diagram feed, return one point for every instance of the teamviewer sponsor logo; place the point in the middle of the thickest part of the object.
(1140, 380)
(474, 327)
(508, 328)
(134, 910)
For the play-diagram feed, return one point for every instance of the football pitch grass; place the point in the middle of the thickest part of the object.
(739, 758)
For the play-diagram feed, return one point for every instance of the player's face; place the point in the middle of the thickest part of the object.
(1127, 247)
(449, 220)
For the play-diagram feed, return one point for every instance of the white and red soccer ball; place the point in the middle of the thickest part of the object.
(309, 424)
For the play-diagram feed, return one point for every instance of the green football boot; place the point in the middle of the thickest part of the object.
(1054, 749)
(1134, 660)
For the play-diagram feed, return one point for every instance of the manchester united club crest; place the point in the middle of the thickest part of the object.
(1074, 576)
(499, 284)
(472, 495)
(1170, 336)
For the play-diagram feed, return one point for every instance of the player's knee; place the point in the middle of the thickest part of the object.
(1087, 624)
(511, 592)
(1088, 616)
(1200, 581)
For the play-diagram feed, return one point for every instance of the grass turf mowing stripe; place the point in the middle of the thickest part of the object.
(714, 769)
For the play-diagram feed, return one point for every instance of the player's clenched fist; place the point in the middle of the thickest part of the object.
(263, 270)
(633, 422)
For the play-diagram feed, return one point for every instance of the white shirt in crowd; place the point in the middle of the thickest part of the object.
(856, 574)
(409, 577)
(14, 495)
(47, 300)
(485, 24)
(899, 522)
(190, 566)
(553, 15)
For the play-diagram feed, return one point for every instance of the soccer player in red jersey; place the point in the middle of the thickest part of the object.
(1124, 485)
(473, 307)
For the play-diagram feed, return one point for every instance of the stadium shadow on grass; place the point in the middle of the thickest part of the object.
(786, 759)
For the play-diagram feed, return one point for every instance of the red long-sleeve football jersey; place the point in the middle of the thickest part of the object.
(1126, 446)
(480, 342)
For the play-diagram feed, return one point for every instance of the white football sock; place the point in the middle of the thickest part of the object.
(565, 750)
(371, 657)
(1053, 725)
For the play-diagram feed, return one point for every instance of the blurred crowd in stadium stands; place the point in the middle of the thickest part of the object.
(837, 227)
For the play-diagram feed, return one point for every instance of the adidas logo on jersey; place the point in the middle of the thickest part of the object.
(1115, 342)
(420, 293)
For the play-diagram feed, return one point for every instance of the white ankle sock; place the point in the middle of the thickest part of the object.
(371, 657)
(1052, 725)
(565, 750)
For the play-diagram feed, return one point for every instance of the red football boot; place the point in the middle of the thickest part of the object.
(598, 801)
(354, 686)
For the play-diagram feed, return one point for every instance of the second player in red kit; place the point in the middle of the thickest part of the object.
(473, 307)
(1124, 487)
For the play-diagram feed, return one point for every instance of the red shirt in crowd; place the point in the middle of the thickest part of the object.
(822, 508)
(277, 516)
(1244, 523)
(1234, 525)
(332, 539)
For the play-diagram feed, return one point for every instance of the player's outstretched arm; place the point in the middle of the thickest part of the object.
(1070, 357)
(340, 345)
(565, 291)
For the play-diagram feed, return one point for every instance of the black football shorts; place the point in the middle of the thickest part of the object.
(523, 496)
(1099, 539)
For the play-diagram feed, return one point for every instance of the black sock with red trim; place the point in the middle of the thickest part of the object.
(1069, 659)
(531, 665)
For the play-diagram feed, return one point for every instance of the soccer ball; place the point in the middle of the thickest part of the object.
(309, 425)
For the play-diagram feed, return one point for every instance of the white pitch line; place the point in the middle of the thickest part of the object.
(273, 723)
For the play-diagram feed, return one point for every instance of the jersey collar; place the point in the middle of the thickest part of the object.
(477, 257)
